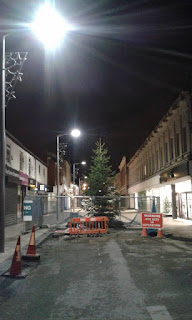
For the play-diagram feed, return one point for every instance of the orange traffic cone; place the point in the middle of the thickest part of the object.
(15, 270)
(160, 233)
(31, 251)
(144, 232)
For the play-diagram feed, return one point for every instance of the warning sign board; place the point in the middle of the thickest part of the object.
(27, 210)
(152, 220)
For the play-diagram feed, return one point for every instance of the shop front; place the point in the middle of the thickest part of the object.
(12, 198)
(32, 187)
(23, 188)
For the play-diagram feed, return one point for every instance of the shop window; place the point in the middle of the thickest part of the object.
(177, 145)
(21, 161)
(8, 155)
(184, 140)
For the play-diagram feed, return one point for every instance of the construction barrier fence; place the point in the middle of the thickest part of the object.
(94, 225)
(50, 209)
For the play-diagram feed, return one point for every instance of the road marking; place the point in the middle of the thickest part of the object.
(159, 313)
(130, 299)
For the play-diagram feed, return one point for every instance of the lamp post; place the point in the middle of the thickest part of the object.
(11, 65)
(81, 180)
(2, 146)
(50, 28)
(74, 164)
(74, 133)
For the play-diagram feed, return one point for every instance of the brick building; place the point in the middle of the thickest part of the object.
(64, 175)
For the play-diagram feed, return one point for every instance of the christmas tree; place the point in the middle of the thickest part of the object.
(101, 183)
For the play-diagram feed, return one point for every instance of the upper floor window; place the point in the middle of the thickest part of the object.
(171, 148)
(29, 166)
(184, 140)
(141, 171)
(166, 152)
(153, 163)
(44, 172)
(161, 157)
(21, 161)
(39, 169)
(177, 146)
(150, 165)
(157, 159)
(8, 154)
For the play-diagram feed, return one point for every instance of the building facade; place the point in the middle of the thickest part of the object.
(64, 175)
(162, 166)
(117, 183)
(123, 177)
(24, 174)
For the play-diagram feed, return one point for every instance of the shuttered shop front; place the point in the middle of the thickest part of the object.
(11, 204)
(11, 195)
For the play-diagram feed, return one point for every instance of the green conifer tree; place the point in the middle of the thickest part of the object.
(101, 182)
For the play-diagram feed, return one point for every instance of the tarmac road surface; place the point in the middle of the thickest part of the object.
(120, 276)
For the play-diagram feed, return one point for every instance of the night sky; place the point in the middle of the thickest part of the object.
(114, 77)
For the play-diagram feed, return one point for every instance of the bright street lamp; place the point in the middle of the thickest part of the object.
(75, 133)
(49, 27)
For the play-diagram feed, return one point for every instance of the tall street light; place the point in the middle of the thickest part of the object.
(74, 164)
(84, 177)
(75, 133)
(50, 28)
(2, 146)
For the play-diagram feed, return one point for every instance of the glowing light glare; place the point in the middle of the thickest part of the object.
(75, 133)
(83, 163)
(49, 26)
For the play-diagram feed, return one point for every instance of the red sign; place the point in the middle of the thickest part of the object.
(152, 220)
(23, 178)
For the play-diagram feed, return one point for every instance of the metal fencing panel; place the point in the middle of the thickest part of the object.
(121, 203)
(49, 209)
(37, 212)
